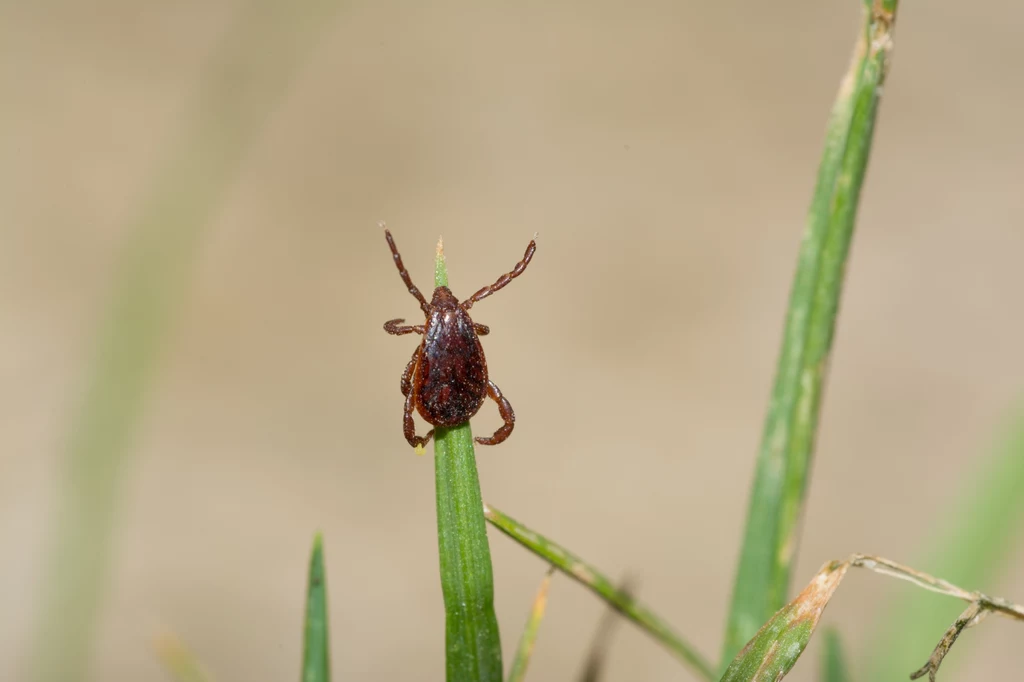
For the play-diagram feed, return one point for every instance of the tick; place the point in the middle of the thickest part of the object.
(446, 380)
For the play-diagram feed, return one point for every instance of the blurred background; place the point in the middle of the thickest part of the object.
(193, 283)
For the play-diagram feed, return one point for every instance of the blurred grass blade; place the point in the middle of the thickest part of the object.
(526, 642)
(774, 650)
(316, 647)
(180, 662)
(783, 464)
(579, 570)
(972, 547)
(594, 663)
(471, 627)
(834, 668)
(244, 79)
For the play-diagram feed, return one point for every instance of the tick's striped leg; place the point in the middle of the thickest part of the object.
(507, 415)
(397, 328)
(504, 279)
(403, 273)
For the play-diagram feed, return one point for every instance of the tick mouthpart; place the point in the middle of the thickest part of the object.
(444, 299)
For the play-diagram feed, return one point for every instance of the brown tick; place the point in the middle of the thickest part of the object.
(446, 380)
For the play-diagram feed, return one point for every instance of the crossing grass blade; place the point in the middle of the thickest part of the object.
(784, 462)
(316, 648)
(621, 600)
(473, 646)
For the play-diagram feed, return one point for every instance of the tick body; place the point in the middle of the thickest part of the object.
(446, 380)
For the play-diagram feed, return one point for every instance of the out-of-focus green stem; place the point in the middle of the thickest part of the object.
(244, 79)
(975, 537)
(582, 572)
(471, 627)
(787, 446)
(834, 667)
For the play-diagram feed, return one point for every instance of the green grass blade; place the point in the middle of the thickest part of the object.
(522, 659)
(245, 78)
(582, 572)
(972, 548)
(471, 627)
(834, 666)
(775, 648)
(783, 465)
(316, 648)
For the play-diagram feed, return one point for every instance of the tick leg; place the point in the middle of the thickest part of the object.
(504, 279)
(395, 327)
(505, 410)
(409, 427)
(481, 329)
(407, 374)
(404, 274)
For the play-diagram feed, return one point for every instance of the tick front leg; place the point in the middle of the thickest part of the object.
(410, 426)
(397, 328)
(504, 279)
(403, 273)
(481, 329)
(507, 415)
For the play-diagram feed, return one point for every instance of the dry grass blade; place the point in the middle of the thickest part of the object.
(774, 650)
(971, 616)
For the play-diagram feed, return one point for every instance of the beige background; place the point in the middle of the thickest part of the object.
(665, 152)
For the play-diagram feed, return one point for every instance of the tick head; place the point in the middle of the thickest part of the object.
(444, 299)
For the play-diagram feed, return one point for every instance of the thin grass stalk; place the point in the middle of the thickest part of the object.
(517, 672)
(473, 646)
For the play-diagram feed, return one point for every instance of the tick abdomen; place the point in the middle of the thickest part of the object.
(451, 376)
